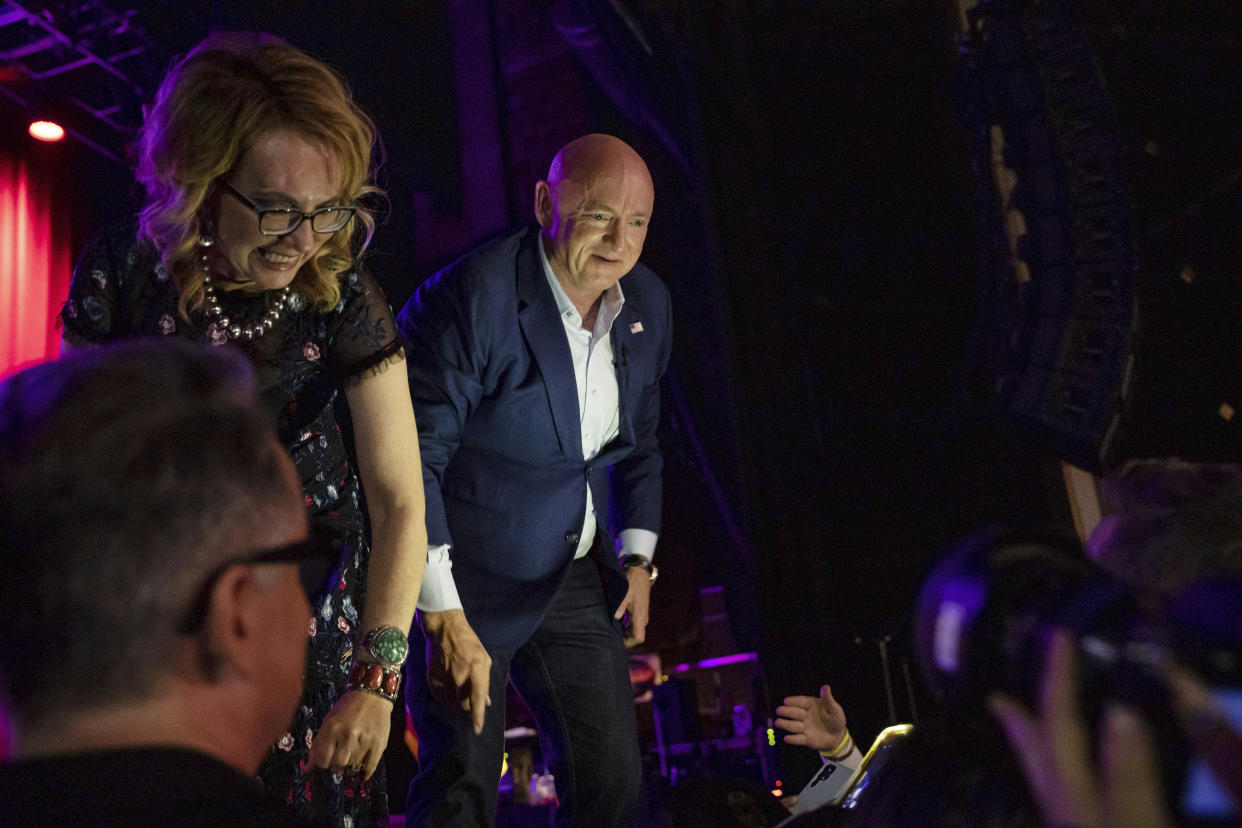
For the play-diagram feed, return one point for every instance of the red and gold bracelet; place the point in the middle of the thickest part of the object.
(374, 678)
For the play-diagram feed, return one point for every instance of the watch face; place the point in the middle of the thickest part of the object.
(389, 646)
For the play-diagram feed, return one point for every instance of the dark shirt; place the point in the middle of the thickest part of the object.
(135, 787)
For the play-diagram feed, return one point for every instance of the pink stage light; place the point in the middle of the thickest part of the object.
(46, 131)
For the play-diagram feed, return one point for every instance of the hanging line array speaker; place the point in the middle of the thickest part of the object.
(1054, 337)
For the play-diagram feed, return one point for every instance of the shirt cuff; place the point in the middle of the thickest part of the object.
(638, 542)
(439, 591)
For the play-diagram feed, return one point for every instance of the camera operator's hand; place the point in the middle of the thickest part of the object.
(1055, 751)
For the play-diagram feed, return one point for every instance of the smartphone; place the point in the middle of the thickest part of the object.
(826, 786)
(836, 784)
(877, 756)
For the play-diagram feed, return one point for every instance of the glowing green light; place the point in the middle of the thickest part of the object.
(771, 737)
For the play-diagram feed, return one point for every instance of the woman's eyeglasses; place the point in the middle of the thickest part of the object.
(280, 221)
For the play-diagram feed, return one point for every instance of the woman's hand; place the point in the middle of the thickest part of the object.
(354, 734)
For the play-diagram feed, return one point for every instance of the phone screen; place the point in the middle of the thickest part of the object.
(1204, 797)
(874, 761)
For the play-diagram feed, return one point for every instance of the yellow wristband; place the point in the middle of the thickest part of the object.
(835, 753)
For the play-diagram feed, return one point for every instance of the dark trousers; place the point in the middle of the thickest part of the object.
(573, 675)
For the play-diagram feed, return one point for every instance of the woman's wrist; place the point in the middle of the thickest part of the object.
(375, 679)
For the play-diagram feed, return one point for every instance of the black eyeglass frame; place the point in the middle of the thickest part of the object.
(317, 557)
(350, 209)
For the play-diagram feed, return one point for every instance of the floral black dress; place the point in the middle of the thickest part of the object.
(121, 289)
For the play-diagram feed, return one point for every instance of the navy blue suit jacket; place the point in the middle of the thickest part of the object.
(494, 394)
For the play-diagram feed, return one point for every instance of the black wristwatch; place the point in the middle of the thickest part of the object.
(642, 563)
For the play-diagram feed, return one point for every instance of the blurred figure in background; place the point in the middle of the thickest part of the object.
(153, 535)
(1167, 523)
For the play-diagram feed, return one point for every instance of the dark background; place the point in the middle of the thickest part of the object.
(822, 221)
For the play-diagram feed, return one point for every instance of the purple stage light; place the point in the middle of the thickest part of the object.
(718, 661)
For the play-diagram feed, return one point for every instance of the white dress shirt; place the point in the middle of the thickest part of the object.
(599, 417)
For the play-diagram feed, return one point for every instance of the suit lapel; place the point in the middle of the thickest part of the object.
(622, 346)
(626, 330)
(545, 334)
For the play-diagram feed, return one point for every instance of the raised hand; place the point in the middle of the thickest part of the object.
(818, 723)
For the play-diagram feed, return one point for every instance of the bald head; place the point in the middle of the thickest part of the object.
(593, 208)
(596, 155)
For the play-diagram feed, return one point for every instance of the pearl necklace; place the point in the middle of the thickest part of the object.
(219, 320)
(275, 304)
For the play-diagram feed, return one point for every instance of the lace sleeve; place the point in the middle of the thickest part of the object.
(94, 312)
(362, 338)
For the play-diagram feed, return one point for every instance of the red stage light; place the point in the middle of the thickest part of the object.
(35, 264)
(46, 131)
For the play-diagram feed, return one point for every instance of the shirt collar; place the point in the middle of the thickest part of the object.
(609, 306)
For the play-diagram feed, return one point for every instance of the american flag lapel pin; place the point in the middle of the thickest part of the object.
(636, 327)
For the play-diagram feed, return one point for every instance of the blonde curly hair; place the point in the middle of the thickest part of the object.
(213, 104)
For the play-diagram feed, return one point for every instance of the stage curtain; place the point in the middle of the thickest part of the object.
(35, 265)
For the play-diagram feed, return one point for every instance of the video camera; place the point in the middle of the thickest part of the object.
(986, 611)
